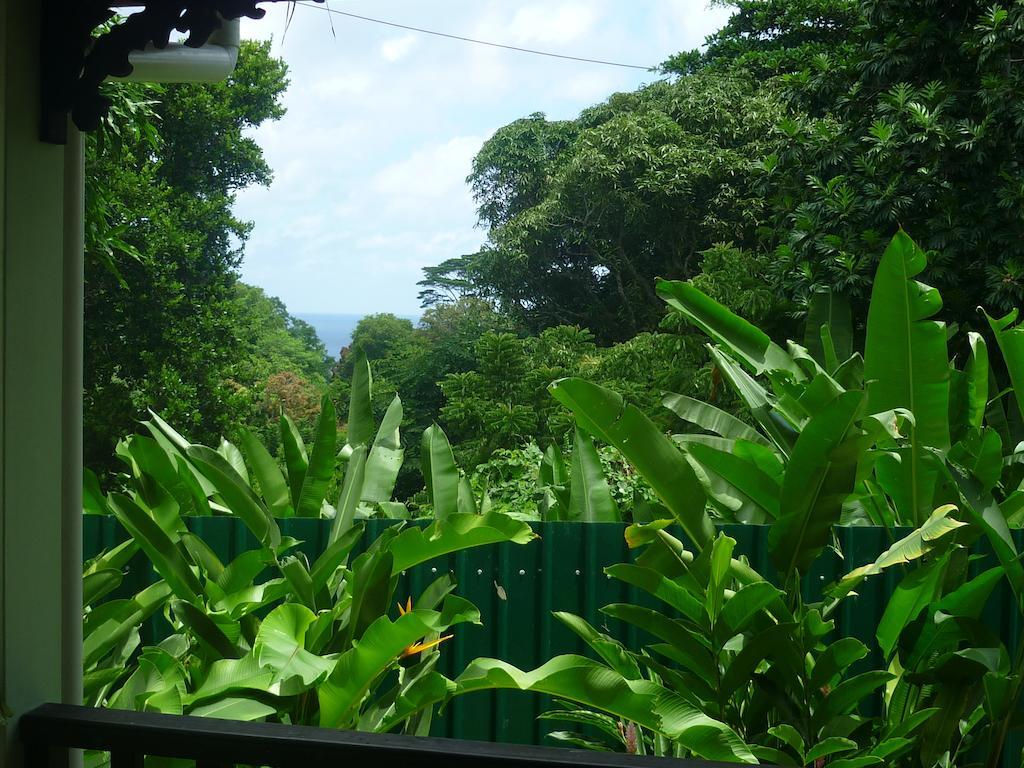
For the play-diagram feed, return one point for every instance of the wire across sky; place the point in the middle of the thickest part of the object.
(474, 41)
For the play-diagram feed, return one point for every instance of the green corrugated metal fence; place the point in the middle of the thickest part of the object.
(561, 571)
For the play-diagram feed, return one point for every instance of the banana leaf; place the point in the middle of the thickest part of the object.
(711, 419)
(439, 472)
(819, 477)
(745, 341)
(237, 494)
(360, 411)
(273, 487)
(587, 682)
(320, 469)
(590, 498)
(829, 316)
(906, 365)
(385, 458)
(296, 460)
(159, 548)
(605, 415)
(280, 646)
(383, 643)
(414, 545)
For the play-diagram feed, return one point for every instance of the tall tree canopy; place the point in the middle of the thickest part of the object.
(583, 215)
(921, 129)
(168, 325)
(803, 134)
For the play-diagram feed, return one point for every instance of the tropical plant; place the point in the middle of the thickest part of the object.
(274, 634)
(744, 671)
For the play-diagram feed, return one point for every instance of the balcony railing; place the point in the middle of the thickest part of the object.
(49, 732)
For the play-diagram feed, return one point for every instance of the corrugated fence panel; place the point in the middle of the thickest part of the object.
(517, 588)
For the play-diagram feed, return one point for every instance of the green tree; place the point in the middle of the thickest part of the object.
(920, 129)
(162, 307)
(582, 216)
(771, 37)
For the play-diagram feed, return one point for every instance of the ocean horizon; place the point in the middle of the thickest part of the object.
(335, 329)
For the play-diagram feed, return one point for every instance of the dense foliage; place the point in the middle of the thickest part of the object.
(275, 633)
(168, 325)
(745, 671)
(752, 191)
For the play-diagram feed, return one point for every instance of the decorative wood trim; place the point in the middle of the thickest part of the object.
(74, 63)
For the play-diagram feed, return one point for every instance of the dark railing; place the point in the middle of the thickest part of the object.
(49, 732)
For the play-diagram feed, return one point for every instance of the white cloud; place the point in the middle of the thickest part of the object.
(346, 84)
(397, 48)
(552, 24)
(435, 171)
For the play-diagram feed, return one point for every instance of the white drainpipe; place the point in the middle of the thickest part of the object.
(177, 63)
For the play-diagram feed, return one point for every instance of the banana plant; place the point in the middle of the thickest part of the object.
(730, 670)
(579, 493)
(898, 437)
(272, 635)
(919, 409)
(166, 468)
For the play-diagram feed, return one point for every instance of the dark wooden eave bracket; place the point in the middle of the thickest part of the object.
(74, 63)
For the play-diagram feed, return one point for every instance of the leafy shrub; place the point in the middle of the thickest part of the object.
(743, 670)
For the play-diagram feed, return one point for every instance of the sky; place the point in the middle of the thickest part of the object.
(370, 160)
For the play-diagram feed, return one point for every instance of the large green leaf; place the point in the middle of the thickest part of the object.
(439, 472)
(231, 676)
(918, 589)
(587, 682)
(830, 311)
(152, 462)
(360, 411)
(295, 457)
(205, 628)
(819, 477)
(710, 418)
(351, 491)
(272, 484)
(745, 476)
(1010, 338)
(415, 545)
(687, 650)
(590, 498)
(906, 364)
(379, 649)
(669, 591)
(108, 624)
(385, 459)
(757, 400)
(371, 587)
(745, 341)
(334, 556)
(100, 583)
(280, 646)
(237, 494)
(603, 414)
(234, 709)
(159, 548)
(976, 378)
(612, 651)
(320, 469)
(905, 360)
(911, 547)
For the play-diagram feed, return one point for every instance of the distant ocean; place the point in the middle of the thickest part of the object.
(335, 331)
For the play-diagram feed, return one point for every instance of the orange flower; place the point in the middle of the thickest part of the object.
(421, 646)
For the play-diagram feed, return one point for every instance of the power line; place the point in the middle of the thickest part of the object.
(476, 42)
